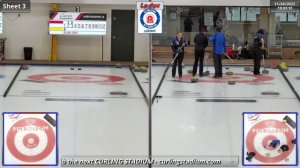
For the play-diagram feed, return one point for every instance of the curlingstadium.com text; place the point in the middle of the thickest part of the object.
(141, 162)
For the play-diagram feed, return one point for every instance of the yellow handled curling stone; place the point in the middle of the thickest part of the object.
(194, 79)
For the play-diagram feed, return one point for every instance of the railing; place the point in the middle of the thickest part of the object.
(2, 48)
(274, 45)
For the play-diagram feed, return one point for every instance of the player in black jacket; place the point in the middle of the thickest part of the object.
(177, 46)
(201, 42)
(258, 46)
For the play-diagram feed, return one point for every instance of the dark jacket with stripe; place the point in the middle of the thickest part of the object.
(201, 42)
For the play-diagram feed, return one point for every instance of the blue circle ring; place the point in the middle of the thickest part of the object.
(145, 24)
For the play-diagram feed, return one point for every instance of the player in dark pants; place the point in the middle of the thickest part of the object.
(201, 42)
(218, 41)
(258, 46)
(177, 45)
(256, 59)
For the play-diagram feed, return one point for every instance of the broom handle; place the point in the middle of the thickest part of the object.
(177, 53)
(229, 57)
(205, 61)
(263, 55)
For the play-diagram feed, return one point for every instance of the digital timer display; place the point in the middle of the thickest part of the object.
(285, 6)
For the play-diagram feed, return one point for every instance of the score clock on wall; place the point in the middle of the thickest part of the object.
(285, 6)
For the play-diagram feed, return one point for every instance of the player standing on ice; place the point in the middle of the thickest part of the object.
(201, 42)
(218, 41)
(177, 45)
(258, 46)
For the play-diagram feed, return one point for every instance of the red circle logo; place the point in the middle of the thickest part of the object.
(37, 137)
(75, 78)
(274, 127)
(238, 77)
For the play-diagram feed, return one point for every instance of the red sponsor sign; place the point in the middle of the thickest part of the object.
(149, 5)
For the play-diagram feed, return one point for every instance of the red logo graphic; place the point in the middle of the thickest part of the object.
(30, 140)
(150, 19)
(13, 116)
(238, 77)
(150, 5)
(253, 117)
(75, 78)
(267, 130)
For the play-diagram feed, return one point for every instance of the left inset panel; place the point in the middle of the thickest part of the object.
(30, 139)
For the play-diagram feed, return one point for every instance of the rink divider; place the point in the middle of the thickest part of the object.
(290, 84)
(12, 82)
(139, 85)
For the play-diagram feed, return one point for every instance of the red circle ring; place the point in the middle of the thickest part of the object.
(75, 78)
(277, 124)
(32, 136)
(236, 76)
(266, 142)
(24, 122)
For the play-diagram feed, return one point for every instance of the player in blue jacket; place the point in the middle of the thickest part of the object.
(218, 41)
(177, 46)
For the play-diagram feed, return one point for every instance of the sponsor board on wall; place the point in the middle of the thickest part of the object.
(149, 17)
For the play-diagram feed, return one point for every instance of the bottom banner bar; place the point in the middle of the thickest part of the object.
(144, 161)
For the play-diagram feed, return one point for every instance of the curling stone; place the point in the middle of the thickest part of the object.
(231, 82)
(247, 68)
(250, 156)
(137, 69)
(132, 66)
(265, 71)
(118, 65)
(183, 65)
(194, 79)
(268, 154)
(274, 143)
(206, 73)
(274, 65)
(283, 66)
(25, 67)
(229, 73)
(190, 71)
(284, 148)
(143, 69)
(79, 69)
(72, 69)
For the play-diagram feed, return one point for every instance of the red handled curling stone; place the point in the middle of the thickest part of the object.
(25, 67)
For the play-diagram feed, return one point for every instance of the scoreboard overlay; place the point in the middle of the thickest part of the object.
(77, 23)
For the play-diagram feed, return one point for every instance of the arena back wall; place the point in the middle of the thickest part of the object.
(21, 31)
(31, 30)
